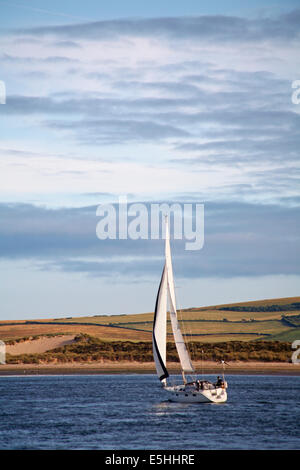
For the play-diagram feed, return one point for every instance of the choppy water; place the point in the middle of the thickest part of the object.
(130, 412)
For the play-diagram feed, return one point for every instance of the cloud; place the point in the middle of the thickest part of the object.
(182, 109)
(118, 131)
(251, 119)
(240, 240)
(257, 148)
(214, 113)
(175, 87)
(6, 58)
(68, 44)
(216, 28)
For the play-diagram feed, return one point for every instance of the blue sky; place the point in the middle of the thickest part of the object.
(35, 13)
(160, 101)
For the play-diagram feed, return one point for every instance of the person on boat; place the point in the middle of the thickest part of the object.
(219, 382)
(199, 385)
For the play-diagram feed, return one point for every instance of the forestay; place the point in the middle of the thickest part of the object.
(166, 293)
(183, 354)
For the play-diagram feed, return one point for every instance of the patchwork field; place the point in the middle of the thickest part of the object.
(250, 332)
(271, 319)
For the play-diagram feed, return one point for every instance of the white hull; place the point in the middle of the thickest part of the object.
(182, 394)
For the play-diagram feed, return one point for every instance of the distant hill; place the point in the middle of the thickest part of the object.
(269, 319)
(245, 331)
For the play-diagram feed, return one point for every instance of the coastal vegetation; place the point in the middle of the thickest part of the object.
(87, 348)
(250, 331)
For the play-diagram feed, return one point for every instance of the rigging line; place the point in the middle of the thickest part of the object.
(172, 376)
(182, 323)
(42, 10)
(179, 311)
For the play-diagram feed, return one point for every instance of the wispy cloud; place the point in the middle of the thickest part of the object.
(203, 100)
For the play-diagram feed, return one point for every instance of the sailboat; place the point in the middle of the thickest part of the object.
(194, 391)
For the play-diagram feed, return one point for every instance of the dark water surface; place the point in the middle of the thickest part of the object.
(130, 412)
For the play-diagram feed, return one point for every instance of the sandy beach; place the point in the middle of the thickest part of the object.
(39, 345)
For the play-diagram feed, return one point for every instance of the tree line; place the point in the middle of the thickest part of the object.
(263, 308)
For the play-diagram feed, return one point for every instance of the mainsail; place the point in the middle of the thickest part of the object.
(159, 334)
(166, 292)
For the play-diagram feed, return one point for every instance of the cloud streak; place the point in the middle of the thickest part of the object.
(218, 28)
(240, 240)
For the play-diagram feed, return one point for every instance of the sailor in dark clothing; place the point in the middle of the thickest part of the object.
(199, 385)
(219, 382)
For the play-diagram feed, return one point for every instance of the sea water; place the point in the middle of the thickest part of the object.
(131, 412)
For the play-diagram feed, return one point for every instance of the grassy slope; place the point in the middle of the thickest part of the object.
(205, 324)
(287, 336)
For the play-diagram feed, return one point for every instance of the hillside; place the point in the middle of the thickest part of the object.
(264, 319)
(250, 331)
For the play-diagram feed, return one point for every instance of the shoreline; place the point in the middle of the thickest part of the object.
(208, 367)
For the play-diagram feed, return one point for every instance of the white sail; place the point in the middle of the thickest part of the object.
(197, 391)
(159, 334)
(183, 354)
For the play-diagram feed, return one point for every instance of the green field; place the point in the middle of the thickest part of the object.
(250, 331)
(271, 319)
(246, 321)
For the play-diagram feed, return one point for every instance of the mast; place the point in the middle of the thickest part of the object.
(185, 361)
(166, 292)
